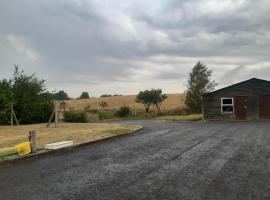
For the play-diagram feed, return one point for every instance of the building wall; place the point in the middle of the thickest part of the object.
(251, 89)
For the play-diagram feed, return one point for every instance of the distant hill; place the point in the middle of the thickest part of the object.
(115, 102)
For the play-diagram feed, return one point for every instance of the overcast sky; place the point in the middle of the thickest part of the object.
(124, 46)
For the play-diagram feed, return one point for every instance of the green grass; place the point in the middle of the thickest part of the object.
(7, 152)
(194, 117)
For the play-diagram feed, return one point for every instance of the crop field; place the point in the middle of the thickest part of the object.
(173, 101)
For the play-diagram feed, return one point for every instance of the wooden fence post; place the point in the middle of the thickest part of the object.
(56, 114)
(32, 140)
(14, 115)
(11, 116)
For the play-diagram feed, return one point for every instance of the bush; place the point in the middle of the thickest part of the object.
(105, 114)
(92, 117)
(38, 111)
(123, 112)
(75, 116)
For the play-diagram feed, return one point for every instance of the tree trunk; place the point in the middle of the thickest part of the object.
(146, 107)
(158, 107)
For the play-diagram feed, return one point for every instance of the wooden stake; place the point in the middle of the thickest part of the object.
(14, 115)
(32, 140)
(11, 116)
(48, 124)
(56, 114)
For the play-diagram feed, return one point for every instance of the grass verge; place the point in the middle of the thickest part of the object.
(194, 117)
(7, 152)
(79, 133)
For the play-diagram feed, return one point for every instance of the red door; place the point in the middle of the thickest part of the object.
(264, 107)
(240, 108)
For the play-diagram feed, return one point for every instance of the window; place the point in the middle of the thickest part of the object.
(227, 105)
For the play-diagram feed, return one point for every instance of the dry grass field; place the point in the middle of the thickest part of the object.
(79, 133)
(173, 101)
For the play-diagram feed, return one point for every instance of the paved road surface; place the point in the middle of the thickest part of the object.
(190, 160)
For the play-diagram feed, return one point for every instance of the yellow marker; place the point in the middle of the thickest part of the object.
(23, 148)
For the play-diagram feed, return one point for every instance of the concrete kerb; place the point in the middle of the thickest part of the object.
(15, 159)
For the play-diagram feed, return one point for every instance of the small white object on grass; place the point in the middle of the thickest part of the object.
(58, 145)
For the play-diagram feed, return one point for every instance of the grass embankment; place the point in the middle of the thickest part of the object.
(79, 133)
(194, 117)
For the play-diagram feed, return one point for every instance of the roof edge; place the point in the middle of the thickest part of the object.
(235, 85)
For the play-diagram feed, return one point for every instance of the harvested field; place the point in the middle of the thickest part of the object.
(173, 101)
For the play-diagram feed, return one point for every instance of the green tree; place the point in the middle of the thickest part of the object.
(84, 95)
(61, 95)
(158, 98)
(151, 97)
(33, 103)
(199, 82)
(6, 100)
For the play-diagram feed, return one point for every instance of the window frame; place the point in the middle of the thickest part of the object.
(221, 105)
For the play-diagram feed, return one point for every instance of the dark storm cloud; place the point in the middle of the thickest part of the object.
(126, 46)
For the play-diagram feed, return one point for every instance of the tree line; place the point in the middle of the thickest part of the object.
(62, 95)
(33, 103)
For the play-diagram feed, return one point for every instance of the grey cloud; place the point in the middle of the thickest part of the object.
(101, 43)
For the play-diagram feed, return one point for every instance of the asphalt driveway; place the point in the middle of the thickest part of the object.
(189, 160)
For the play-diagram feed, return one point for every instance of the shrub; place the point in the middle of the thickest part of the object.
(123, 112)
(75, 116)
(92, 117)
(105, 114)
(103, 104)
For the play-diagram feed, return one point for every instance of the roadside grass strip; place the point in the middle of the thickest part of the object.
(194, 117)
(79, 133)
